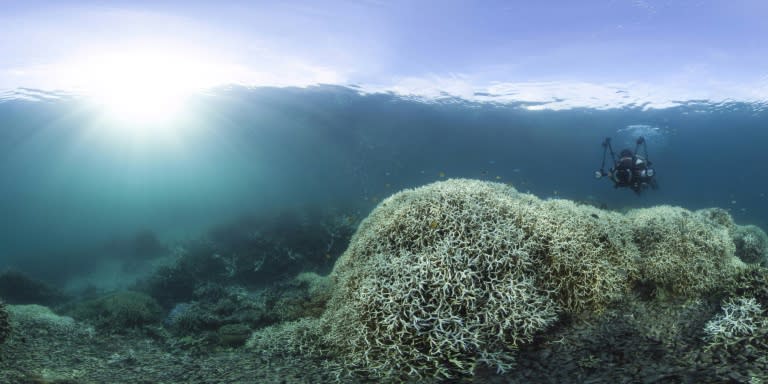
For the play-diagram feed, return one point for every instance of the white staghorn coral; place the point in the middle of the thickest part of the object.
(682, 252)
(740, 317)
(440, 279)
(751, 244)
(445, 277)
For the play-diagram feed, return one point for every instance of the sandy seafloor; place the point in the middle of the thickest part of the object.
(74, 353)
(621, 346)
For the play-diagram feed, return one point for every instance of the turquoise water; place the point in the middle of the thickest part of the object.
(73, 181)
(254, 185)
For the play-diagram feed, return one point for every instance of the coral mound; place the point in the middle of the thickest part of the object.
(118, 312)
(681, 251)
(751, 244)
(437, 280)
(445, 277)
(455, 275)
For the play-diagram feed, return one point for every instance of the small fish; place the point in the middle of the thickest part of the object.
(441, 174)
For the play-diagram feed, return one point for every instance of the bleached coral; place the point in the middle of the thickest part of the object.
(718, 217)
(751, 244)
(444, 278)
(437, 280)
(40, 317)
(304, 296)
(681, 252)
(32, 320)
(740, 317)
(584, 255)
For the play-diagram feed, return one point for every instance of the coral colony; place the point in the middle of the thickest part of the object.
(452, 280)
(455, 275)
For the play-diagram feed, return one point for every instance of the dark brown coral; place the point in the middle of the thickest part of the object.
(5, 324)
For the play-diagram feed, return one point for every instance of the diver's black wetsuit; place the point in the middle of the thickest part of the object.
(632, 171)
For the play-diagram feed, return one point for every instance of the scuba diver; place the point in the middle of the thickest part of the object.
(630, 170)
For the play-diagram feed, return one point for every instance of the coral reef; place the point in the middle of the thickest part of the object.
(303, 296)
(740, 330)
(118, 312)
(438, 280)
(741, 317)
(585, 256)
(751, 244)
(18, 288)
(212, 307)
(215, 307)
(303, 337)
(639, 341)
(751, 282)
(443, 280)
(253, 252)
(5, 324)
(234, 335)
(716, 216)
(458, 281)
(33, 319)
(680, 252)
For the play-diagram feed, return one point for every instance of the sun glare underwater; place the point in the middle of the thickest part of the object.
(142, 91)
(172, 215)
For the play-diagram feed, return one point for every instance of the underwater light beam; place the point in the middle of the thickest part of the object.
(142, 86)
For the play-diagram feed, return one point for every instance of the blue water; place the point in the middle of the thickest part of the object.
(72, 184)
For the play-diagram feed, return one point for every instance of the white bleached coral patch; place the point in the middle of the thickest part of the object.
(740, 317)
